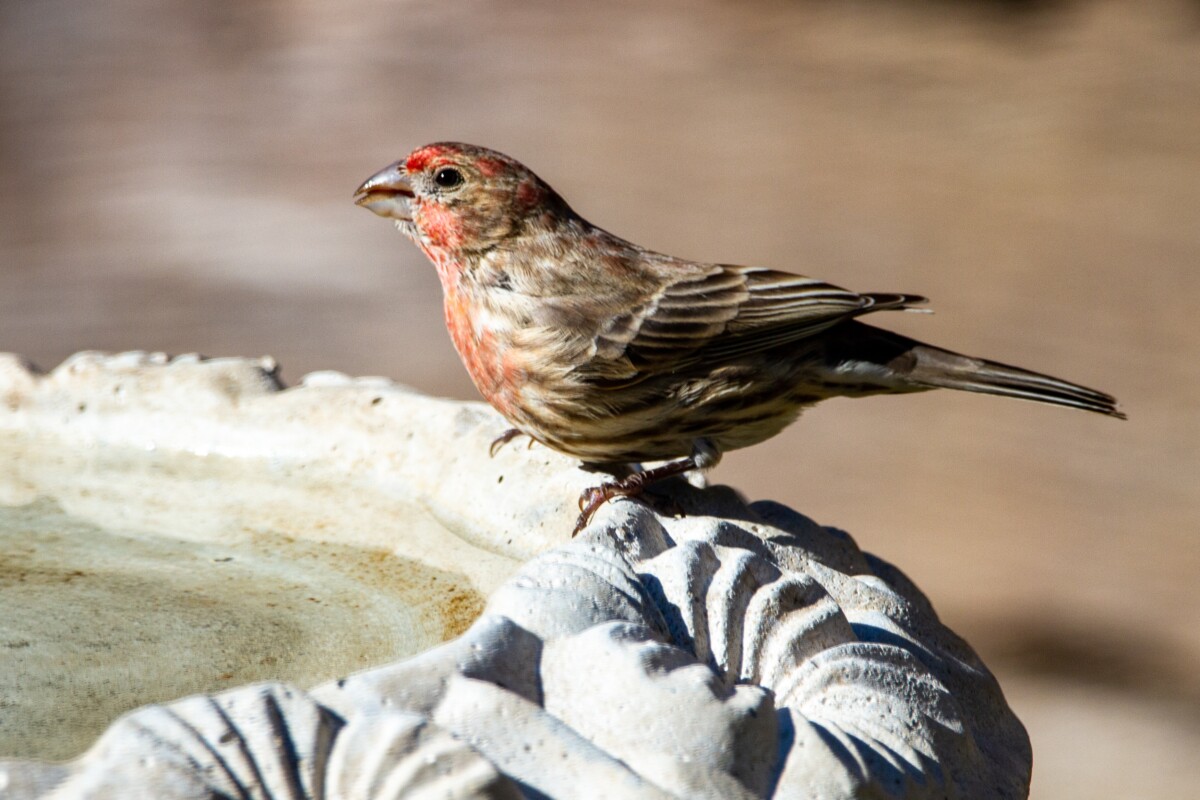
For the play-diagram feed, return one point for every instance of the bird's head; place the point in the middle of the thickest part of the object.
(459, 197)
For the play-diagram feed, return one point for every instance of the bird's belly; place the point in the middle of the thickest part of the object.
(657, 424)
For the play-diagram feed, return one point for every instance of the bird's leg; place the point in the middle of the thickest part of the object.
(596, 496)
(704, 455)
(504, 439)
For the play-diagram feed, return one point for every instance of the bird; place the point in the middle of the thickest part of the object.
(618, 355)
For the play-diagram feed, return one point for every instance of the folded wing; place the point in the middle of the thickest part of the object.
(725, 312)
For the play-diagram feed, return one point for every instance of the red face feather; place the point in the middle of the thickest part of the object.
(490, 167)
(423, 158)
(441, 225)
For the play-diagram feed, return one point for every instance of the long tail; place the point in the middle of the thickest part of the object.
(911, 365)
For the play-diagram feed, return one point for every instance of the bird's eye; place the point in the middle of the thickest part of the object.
(448, 178)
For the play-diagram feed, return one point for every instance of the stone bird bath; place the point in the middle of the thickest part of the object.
(216, 586)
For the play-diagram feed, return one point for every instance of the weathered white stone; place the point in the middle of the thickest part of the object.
(741, 650)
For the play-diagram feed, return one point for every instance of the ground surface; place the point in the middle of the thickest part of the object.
(177, 176)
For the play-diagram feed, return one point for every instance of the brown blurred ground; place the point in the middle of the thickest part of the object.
(177, 176)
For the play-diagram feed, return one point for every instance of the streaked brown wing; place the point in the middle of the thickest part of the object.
(726, 312)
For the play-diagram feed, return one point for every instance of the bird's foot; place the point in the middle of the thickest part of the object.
(504, 439)
(632, 486)
(595, 496)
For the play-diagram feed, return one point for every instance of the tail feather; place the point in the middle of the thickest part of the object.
(943, 369)
(903, 364)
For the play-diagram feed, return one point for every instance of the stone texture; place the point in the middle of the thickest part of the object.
(741, 650)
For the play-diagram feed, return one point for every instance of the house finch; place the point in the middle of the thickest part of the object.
(615, 354)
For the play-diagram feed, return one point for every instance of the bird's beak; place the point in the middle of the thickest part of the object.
(387, 193)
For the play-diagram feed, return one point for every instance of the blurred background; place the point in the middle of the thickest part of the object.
(177, 176)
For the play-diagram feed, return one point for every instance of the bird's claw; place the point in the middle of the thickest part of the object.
(592, 498)
(504, 439)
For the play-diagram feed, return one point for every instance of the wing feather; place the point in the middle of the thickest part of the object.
(723, 313)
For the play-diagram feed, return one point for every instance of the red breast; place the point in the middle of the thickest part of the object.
(492, 367)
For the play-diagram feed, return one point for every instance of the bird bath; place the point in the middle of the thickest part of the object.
(333, 590)
(135, 576)
(139, 564)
